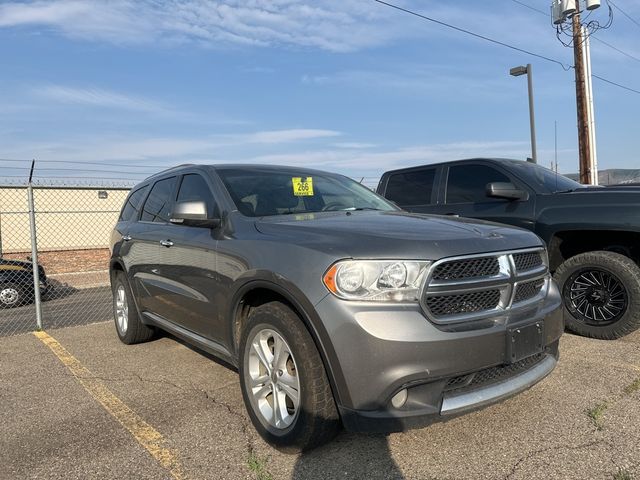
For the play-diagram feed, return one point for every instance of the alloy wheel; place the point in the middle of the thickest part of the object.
(122, 310)
(596, 297)
(273, 379)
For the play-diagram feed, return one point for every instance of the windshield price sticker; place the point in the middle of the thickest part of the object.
(302, 186)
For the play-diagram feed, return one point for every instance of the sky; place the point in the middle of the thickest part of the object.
(352, 86)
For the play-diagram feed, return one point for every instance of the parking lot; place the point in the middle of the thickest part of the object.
(76, 403)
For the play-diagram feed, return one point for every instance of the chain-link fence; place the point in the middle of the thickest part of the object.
(66, 229)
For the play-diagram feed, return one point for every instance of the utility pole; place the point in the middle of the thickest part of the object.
(584, 136)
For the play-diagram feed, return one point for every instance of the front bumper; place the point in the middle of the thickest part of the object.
(382, 350)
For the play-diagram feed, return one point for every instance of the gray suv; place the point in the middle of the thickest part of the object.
(335, 306)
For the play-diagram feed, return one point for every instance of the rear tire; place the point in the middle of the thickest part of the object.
(268, 380)
(601, 294)
(129, 327)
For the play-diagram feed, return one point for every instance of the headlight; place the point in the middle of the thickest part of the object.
(376, 280)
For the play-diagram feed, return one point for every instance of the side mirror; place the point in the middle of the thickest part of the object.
(506, 190)
(193, 214)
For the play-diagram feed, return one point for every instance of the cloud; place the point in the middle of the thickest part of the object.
(332, 25)
(98, 97)
(381, 160)
(283, 136)
(437, 81)
(157, 149)
(115, 21)
(353, 145)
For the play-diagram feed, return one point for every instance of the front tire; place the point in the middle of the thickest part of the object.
(601, 294)
(284, 383)
(129, 327)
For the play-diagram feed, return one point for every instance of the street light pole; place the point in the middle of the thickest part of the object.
(516, 72)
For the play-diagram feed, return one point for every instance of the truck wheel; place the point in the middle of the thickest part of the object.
(128, 325)
(601, 293)
(283, 380)
(11, 295)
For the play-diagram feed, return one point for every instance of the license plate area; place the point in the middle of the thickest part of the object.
(523, 342)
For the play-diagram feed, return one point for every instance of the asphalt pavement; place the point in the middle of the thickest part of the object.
(165, 410)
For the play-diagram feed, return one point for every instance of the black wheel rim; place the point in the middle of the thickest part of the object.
(595, 297)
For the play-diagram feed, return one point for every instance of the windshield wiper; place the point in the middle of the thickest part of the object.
(297, 212)
(360, 209)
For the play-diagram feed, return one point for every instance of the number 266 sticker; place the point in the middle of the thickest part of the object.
(302, 186)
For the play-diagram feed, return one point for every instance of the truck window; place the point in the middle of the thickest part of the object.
(468, 183)
(411, 188)
(158, 204)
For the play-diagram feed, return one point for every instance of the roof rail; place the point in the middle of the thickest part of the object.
(167, 170)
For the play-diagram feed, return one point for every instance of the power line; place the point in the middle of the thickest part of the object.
(624, 87)
(73, 162)
(613, 47)
(625, 13)
(616, 49)
(546, 14)
(424, 17)
(473, 34)
(616, 84)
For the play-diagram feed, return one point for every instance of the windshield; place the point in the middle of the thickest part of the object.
(260, 193)
(545, 180)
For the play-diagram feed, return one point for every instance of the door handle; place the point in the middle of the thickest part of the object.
(452, 215)
(166, 243)
(126, 238)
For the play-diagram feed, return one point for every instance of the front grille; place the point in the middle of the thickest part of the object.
(444, 305)
(468, 268)
(478, 287)
(492, 375)
(527, 261)
(528, 290)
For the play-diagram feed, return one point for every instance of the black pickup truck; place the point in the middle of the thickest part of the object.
(592, 233)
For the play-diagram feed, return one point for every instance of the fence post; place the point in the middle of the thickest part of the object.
(34, 250)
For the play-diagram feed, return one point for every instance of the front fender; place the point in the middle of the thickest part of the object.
(282, 286)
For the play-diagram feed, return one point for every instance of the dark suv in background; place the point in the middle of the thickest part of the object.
(592, 233)
(335, 305)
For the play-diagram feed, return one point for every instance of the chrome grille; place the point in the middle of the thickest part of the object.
(527, 261)
(480, 286)
(528, 290)
(443, 305)
(468, 268)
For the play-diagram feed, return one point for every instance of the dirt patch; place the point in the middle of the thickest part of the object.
(68, 261)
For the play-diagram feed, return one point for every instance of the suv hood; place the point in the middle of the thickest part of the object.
(395, 234)
(608, 205)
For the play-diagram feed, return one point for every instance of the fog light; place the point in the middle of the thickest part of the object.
(399, 399)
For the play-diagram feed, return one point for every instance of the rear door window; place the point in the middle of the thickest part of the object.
(157, 208)
(468, 183)
(132, 205)
(411, 188)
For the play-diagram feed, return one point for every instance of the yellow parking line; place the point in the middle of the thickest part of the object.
(145, 434)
